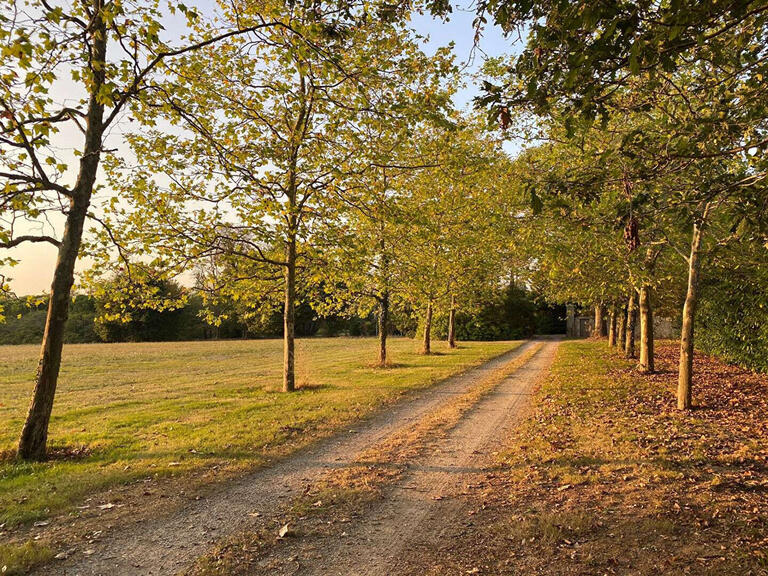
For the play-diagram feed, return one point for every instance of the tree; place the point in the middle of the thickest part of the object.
(356, 249)
(453, 213)
(266, 132)
(42, 44)
(629, 337)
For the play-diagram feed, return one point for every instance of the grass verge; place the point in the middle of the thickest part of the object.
(17, 558)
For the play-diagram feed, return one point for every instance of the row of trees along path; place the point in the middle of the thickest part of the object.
(262, 150)
(652, 166)
(276, 146)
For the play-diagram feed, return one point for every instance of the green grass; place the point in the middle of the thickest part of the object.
(161, 409)
(18, 558)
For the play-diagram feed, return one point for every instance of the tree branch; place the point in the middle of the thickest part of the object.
(34, 239)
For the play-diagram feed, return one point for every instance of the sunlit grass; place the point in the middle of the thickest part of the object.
(18, 558)
(159, 409)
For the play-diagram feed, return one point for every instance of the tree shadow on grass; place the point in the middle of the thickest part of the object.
(386, 366)
(55, 453)
(311, 386)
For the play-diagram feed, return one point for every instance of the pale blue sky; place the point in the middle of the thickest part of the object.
(34, 272)
(458, 29)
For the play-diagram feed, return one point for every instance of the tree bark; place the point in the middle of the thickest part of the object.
(570, 321)
(383, 285)
(34, 434)
(685, 376)
(647, 363)
(289, 318)
(622, 327)
(612, 327)
(452, 323)
(383, 327)
(597, 332)
(629, 342)
(426, 347)
(292, 221)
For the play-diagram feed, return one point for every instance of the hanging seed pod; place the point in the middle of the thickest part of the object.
(505, 118)
(631, 234)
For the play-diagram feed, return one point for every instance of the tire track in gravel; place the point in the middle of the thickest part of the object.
(171, 542)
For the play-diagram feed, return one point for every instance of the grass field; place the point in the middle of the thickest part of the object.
(124, 412)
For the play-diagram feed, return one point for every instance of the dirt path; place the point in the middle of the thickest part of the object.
(428, 509)
(168, 544)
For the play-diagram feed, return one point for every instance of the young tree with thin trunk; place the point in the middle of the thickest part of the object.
(355, 252)
(629, 337)
(684, 384)
(452, 323)
(426, 341)
(612, 326)
(646, 304)
(451, 213)
(646, 363)
(622, 328)
(266, 137)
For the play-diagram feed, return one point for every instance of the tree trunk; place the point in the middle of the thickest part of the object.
(622, 327)
(597, 332)
(383, 287)
(289, 318)
(647, 363)
(452, 323)
(426, 347)
(383, 327)
(612, 327)
(629, 343)
(292, 221)
(34, 434)
(684, 388)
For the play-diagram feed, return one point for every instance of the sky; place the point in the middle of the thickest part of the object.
(36, 261)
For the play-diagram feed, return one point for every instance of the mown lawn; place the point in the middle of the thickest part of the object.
(606, 476)
(124, 412)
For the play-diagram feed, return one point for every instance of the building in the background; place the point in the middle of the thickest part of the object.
(580, 323)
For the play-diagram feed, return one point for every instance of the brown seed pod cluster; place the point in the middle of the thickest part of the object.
(631, 234)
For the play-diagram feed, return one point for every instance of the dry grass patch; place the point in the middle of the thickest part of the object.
(606, 476)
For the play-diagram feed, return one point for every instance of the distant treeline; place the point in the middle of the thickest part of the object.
(509, 314)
